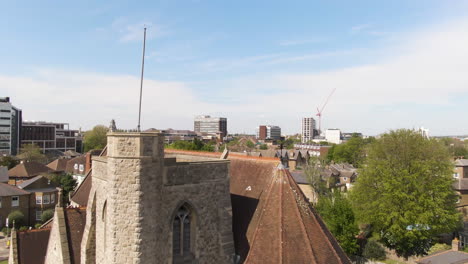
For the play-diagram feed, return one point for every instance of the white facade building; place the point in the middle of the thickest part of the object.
(308, 127)
(333, 136)
(424, 132)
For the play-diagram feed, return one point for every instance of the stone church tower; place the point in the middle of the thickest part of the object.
(145, 208)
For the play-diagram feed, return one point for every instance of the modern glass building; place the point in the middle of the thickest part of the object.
(10, 127)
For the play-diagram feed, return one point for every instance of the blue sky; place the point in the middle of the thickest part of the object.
(394, 64)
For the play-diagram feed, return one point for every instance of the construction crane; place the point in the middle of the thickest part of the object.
(320, 111)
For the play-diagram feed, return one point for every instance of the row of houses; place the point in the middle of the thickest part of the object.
(27, 187)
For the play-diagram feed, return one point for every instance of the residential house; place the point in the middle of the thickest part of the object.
(59, 165)
(43, 196)
(13, 199)
(25, 171)
(460, 174)
(452, 256)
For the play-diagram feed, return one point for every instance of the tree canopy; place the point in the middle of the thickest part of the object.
(338, 215)
(353, 151)
(8, 161)
(196, 144)
(32, 152)
(95, 138)
(404, 191)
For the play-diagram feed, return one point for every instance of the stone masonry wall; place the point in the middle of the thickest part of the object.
(135, 198)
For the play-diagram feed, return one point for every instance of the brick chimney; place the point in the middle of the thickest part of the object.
(88, 162)
(455, 244)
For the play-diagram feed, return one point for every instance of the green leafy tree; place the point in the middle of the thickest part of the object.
(8, 161)
(250, 144)
(352, 151)
(196, 145)
(46, 215)
(263, 147)
(65, 182)
(404, 191)
(31, 152)
(95, 138)
(374, 251)
(313, 172)
(338, 215)
(17, 217)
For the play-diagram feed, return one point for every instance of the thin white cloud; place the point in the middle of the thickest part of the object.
(359, 28)
(130, 31)
(295, 42)
(423, 81)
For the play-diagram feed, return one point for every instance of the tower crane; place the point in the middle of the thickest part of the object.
(320, 111)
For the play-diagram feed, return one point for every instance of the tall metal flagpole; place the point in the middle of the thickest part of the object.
(141, 81)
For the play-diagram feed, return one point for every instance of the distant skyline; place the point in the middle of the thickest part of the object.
(394, 64)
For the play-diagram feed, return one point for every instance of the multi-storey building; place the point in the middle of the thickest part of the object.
(51, 136)
(206, 124)
(333, 136)
(269, 132)
(10, 127)
(308, 128)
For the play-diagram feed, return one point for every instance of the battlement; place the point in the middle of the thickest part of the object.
(135, 145)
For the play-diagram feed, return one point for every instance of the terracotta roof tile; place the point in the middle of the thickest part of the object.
(75, 219)
(32, 246)
(58, 164)
(80, 196)
(28, 170)
(9, 190)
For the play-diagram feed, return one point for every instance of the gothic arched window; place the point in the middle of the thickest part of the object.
(182, 233)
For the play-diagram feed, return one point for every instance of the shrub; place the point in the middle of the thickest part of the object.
(36, 226)
(17, 217)
(438, 247)
(374, 251)
(23, 228)
(46, 215)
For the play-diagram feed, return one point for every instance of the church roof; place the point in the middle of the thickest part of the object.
(32, 246)
(75, 220)
(272, 220)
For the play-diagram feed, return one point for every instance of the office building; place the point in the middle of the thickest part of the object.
(206, 124)
(267, 132)
(51, 136)
(10, 127)
(308, 129)
(333, 136)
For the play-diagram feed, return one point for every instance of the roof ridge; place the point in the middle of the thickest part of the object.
(270, 187)
(304, 232)
(318, 220)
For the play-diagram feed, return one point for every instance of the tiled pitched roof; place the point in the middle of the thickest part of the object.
(272, 220)
(58, 164)
(9, 190)
(28, 182)
(445, 257)
(28, 170)
(281, 223)
(461, 162)
(75, 219)
(80, 196)
(32, 246)
(71, 163)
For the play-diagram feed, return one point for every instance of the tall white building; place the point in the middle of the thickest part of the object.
(424, 132)
(308, 127)
(333, 136)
